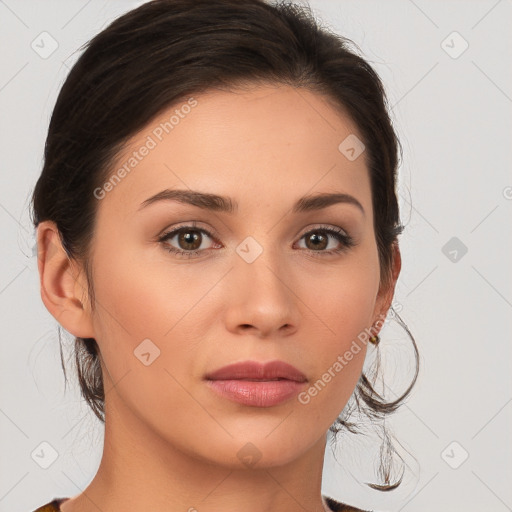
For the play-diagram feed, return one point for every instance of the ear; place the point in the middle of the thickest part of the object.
(63, 287)
(387, 291)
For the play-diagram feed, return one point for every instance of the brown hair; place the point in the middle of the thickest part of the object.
(165, 50)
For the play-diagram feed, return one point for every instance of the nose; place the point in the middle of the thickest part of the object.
(261, 299)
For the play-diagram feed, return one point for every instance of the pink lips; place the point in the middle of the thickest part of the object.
(257, 384)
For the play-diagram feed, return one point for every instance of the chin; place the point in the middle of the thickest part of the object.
(260, 451)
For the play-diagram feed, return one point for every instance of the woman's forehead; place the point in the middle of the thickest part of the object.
(268, 141)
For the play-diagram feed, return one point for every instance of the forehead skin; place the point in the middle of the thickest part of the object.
(265, 146)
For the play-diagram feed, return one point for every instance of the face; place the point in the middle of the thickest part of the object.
(183, 290)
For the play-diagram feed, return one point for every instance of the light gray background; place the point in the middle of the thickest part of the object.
(452, 111)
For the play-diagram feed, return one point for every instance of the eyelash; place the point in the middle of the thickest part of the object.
(346, 240)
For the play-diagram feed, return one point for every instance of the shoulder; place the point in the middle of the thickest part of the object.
(337, 506)
(52, 506)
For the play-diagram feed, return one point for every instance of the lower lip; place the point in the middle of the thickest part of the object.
(257, 393)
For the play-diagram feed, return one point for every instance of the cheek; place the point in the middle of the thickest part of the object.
(340, 355)
(142, 298)
(338, 365)
(345, 308)
(345, 299)
(144, 334)
(146, 307)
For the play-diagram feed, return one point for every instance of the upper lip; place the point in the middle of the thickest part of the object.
(254, 370)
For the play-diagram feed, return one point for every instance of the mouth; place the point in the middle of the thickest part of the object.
(256, 371)
(257, 380)
(251, 383)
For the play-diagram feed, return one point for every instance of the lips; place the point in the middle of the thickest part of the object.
(255, 384)
(254, 371)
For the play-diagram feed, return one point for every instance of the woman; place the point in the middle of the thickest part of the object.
(217, 226)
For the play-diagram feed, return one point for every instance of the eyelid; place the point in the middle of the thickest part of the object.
(340, 234)
(319, 227)
(188, 224)
(214, 234)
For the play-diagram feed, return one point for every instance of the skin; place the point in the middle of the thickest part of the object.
(171, 444)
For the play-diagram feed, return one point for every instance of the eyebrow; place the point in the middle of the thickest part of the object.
(218, 203)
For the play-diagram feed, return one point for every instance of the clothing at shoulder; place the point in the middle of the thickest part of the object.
(52, 506)
(335, 506)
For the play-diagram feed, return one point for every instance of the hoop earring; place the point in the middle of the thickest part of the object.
(375, 340)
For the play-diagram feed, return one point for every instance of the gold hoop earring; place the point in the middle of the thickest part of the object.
(375, 340)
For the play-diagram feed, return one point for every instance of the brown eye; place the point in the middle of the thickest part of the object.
(186, 241)
(317, 240)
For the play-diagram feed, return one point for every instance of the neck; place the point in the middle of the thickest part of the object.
(140, 470)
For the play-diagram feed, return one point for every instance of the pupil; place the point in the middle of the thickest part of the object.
(189, 239)
(317, 238)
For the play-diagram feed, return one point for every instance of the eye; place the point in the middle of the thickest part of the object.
(318, 239)
(189, 239)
